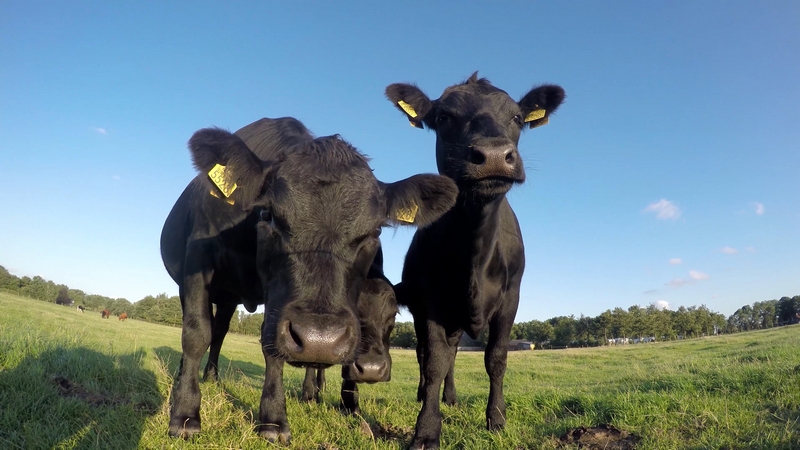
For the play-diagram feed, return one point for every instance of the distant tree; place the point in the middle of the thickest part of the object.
(403, 335)
(250, 324)
(63, 297)
(563, 330)
(787, 308)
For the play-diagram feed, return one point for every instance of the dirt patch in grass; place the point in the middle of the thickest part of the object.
(603, 436)
(386, 432)
(67, 388)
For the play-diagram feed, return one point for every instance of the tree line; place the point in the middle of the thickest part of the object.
(613, 326)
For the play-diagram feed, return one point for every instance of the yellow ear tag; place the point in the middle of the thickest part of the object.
(229, 201)
(539, 123)
(407, 214)
(407, 108)
(534, 115)
(217, 175)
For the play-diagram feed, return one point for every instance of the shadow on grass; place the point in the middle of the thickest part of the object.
(171, 359)
(77, 398)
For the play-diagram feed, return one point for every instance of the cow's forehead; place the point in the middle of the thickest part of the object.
(471, 98)
(340, 196)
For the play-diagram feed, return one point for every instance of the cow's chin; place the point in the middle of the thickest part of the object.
(304, 365)
(492, 186)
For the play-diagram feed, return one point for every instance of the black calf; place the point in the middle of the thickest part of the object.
(463, 272)
(377, 308)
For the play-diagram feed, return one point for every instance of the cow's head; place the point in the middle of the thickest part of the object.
(477, 129)
(377, 308)
(317, 212)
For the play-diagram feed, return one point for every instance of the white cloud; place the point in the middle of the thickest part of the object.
(661, 304)
(677, 282)
(664, 209)
(698, 275)
(99, 130)
(729, 250)
(750, 249)
(116, 177)
(675, 261)
(759, 207)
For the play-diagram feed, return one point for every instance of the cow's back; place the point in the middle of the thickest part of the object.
(268, 139)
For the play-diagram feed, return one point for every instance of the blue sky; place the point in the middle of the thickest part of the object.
(670, 174)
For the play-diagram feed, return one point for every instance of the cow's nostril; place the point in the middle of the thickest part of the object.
(510, 157)
(295, 338)
(477, 157)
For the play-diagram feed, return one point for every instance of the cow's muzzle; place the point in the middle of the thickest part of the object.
(315, 339)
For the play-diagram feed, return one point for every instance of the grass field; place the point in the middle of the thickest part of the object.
(71, 380)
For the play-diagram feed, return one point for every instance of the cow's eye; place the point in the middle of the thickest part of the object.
(518, 120)
(443, 119)
(266, 216)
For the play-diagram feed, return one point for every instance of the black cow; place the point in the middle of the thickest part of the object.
(463, 272)
(278, 217)
(377, 307)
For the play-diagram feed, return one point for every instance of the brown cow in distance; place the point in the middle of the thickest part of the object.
(123, 316)
(105, 314)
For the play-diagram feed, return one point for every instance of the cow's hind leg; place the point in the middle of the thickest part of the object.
(449, 394)
(222, 322)
(310, 386)
(422, 339)
(184, 418)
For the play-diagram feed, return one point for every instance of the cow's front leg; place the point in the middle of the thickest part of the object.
(436, 362)
(184, 417)
(495, 360)
(349, 396)
(272, 422)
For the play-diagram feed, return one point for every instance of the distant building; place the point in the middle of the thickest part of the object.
(519, 344)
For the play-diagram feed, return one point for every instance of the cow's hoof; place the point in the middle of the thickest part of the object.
(349, 410)
(275, 433)
(449, 401)
(184, 428)
(496, 423)
(420, 443)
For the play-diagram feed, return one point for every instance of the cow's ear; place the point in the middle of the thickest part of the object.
(419, 200)
(232, 169)
(411, 101)
(539, 103)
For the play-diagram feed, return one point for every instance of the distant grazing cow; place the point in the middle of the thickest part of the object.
(80, 308)
(105, 314)
(277, 217)
(123, 316)
(463, 272)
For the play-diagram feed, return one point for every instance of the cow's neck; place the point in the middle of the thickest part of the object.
(479, 222)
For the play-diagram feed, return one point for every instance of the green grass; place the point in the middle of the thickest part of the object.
(730, 392)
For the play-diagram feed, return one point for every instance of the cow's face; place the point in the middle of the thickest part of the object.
(377, 308)
(317, 212)
(477, 130)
